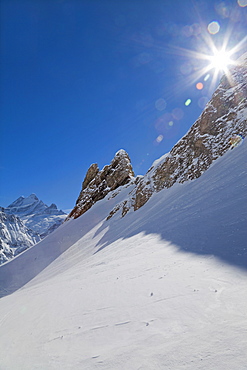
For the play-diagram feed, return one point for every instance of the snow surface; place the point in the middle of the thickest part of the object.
(162, 288)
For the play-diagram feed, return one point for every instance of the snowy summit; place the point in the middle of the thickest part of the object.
(24, 223)
(36, 214)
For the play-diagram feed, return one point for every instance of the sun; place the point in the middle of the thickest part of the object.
(220, 61)
(215, 62)
(215, 58)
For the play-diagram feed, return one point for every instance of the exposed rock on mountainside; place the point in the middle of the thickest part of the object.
(221, 126)
(15, 237)
(97, 184)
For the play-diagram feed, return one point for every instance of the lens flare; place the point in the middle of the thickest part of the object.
(220, 60)
(177, 113)
(223, 9)
(160, 104)
(203, 101)
(242, 3)
(213, 27)
(199, 86)
(188, 102)
(159, 138)
(212, 55)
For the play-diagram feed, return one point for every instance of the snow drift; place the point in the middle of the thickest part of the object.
(162, 288)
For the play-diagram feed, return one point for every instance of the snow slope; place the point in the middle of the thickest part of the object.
(162, 288)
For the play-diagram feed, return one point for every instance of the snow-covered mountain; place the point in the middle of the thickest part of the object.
(162, 288)
(24, 223)
(35, 214)
(15, 237)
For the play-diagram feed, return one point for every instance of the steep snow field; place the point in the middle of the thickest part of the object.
(163, 288)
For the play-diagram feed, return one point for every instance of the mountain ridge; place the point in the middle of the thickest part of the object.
(35, 213)
(24, 223)
(204, 205)
(24, 206)
(221, 126)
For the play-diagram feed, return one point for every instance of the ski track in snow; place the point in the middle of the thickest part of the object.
(145, 292)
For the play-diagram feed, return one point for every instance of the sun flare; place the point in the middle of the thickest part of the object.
(220, 60)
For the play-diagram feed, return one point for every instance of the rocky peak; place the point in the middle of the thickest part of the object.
(53, 206)
(91, 173)
(97, 184)
(221, 126)
(33, 197)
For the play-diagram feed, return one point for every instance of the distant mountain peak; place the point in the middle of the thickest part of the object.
(35, 213)
(17, 201)
(24, 206)
(33, 196)
(53, 206)
(15, 236)
(24, 222)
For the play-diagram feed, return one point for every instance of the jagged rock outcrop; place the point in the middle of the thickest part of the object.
(97, 184)
(91, 173)
(220, 127)
(15, 237)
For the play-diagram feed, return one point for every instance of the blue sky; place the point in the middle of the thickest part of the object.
(82, 79)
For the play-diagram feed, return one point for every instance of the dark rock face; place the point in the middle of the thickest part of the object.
(91, 173)
(97, 184)
(210, 137)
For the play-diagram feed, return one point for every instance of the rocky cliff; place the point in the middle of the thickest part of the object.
(97, 184)
(221, 126)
